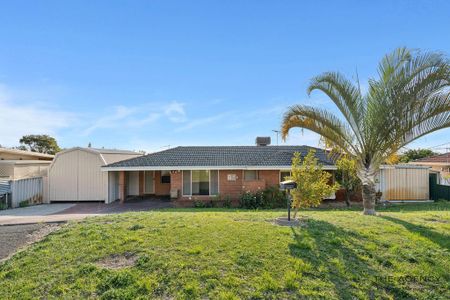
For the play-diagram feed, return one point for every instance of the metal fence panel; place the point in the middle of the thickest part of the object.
(29, 189)
(4, 186)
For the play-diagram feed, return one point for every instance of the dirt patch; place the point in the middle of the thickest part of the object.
(19, 237)
(437, 221)
(118, 261)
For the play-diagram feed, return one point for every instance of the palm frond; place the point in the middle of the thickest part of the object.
(321, 122)
(414, 93)
(409, 99)
(345, 95)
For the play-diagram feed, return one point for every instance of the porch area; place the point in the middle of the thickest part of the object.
(132, 186)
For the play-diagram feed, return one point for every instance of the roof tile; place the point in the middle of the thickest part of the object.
(224, 156)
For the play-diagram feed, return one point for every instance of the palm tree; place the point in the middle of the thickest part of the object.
(409, 99)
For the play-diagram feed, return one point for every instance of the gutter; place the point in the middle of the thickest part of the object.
(181, 168)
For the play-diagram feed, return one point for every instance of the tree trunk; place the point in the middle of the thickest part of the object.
(295, 213)
(347, 198)
(367, 177)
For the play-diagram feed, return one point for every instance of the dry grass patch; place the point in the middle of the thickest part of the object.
(118, 261)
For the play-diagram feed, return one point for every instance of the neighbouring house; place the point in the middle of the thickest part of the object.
(21, 176)
(75, 174)
(438, 163)
(15, 154)
(19, 164)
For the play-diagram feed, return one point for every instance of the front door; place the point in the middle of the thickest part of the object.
(149, 182)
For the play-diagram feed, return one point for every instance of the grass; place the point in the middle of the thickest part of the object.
(232, 254)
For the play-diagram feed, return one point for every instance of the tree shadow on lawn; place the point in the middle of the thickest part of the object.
(442, 240)
(340, 257)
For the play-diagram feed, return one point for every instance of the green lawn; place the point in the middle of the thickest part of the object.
(231, 254)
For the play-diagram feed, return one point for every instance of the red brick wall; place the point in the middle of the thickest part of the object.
(161, 189)
(176, 181)
(141, 183)
(253, 185)
(230, 188)
(272, 177)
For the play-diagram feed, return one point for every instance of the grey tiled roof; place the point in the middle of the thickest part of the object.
(223, 156)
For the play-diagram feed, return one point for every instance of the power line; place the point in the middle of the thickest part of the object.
(439, 145)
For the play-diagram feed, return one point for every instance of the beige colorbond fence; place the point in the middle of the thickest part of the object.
(29, 189)
(404, 183)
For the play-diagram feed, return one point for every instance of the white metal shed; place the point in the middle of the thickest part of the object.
(75, 174)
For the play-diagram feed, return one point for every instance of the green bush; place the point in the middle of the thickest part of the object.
(268, 198)
(273, 197)
(227, 202)
(199, 204)
(24, 203)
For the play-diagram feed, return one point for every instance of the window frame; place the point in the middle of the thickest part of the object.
(161, 177)
(256, 175)
(284, 171)
(209, 184)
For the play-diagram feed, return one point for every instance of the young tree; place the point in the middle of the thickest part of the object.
(410, 98)
(312, 182)
(347, 176)
(39, 143)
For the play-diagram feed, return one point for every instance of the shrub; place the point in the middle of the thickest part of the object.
(273, 197)
(251, 200)
(199, 204)
(227, 202)
(269, 198)
(24, 203)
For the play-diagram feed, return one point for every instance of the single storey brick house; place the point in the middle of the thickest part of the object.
(201, 173)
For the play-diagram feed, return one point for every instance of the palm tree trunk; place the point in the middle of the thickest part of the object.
(367, 177)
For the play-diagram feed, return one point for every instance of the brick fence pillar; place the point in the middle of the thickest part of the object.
(122, 186)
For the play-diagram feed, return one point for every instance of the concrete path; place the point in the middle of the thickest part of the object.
(57, 213)
(37, 212)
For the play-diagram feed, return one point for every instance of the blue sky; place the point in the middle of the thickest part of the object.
(143, 75)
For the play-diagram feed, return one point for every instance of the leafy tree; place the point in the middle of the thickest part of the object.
(414, 154)
(312, 182)
(39, 143)
(347, 176)
(409, 99)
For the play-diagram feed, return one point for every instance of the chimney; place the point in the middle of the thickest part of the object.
(263, 140)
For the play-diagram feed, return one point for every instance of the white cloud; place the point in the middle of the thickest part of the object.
(136, 117)
(175, 112)
(111, 120)
(18, 119)
(202, 122)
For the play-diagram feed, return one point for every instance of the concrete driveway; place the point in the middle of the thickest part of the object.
(57, 213)
(17, 237)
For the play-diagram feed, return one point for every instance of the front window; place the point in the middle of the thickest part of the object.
(165, 176)
(200, 182)
(250, 175)
(284, 175)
